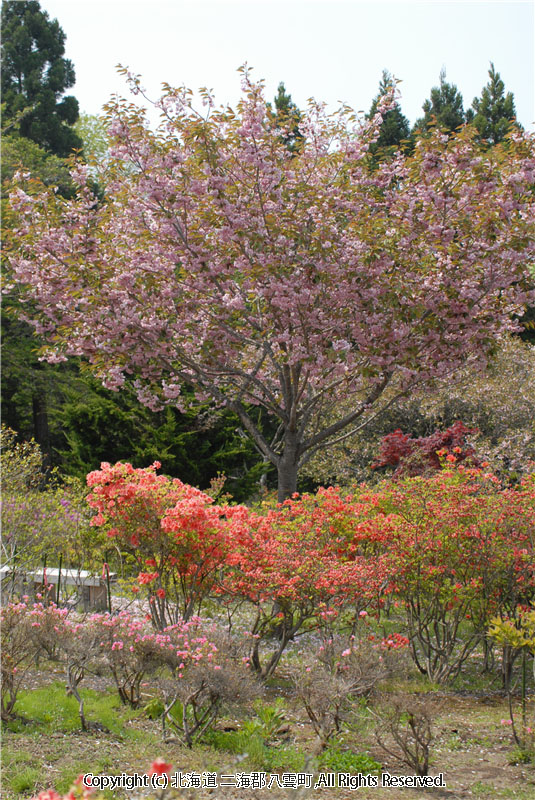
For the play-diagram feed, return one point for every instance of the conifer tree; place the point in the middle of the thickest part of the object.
(395, 129)
(444, 108)
(287, 118)
(35, 75)
(493, 114)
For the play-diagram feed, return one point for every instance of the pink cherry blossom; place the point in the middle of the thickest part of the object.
(305, 282)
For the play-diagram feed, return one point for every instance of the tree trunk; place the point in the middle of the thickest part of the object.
(287, 468)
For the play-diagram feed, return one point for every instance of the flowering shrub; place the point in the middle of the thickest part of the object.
(131, 650)
(460, 548)
(26, 630)
(452, 549)
(74, 793)
(191, 663)
(176, 534)
(128, 650)
(210, 675)
(295, 565)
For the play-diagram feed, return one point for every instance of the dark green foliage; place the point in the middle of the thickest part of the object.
(35, 75)
(528, 322)
(99, 425)
(493, 114)
(27, 384)
(395, 129)
(444, 108)
(78, 424)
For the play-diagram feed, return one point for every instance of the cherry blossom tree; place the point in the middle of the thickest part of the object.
(290, 280)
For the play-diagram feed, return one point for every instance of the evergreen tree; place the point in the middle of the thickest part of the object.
(395, 130)
(287, 118)
(100, 425)
(35, 75)
(444, 108)
(37, 134)
(493, 114)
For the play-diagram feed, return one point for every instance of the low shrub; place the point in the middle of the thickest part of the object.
(329, 685)
(334, 759)
(404, 730)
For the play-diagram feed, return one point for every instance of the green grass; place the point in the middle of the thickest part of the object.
(48, 748)
(48, 713)
(484, 790)
(455, 743)
(24, 780)
(17, 758)
(20, 771)
(257, 740)
(50, 710)
(258, 754)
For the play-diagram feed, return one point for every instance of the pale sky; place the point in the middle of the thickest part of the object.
(333, 50)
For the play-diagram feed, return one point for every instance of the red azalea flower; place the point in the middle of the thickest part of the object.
(159, 767)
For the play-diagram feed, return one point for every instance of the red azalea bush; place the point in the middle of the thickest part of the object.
(459, 549)
(178, 537)
(296, 566)
(453, 548)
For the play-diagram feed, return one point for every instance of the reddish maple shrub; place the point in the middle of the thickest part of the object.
(411, 456)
